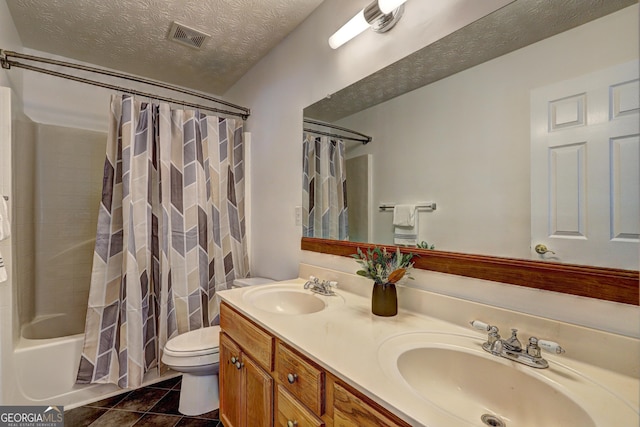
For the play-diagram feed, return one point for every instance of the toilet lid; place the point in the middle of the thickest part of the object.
(200, 340)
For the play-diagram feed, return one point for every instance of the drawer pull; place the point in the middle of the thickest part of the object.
(292, 423)
(292, 378)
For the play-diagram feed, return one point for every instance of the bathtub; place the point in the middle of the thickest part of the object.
(53, 326)
(46, 368)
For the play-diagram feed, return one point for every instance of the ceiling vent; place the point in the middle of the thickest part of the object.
(187, 36)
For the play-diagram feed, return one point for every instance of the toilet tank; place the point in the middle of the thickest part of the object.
(250, 281)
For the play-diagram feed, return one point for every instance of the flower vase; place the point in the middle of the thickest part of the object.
(384, 301)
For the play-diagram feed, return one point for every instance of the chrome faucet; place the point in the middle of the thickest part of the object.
(321, 287)
(512, 348)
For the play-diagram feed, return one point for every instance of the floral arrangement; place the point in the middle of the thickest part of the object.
(383, 266)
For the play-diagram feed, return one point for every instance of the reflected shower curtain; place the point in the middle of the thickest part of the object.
(170, 233)
(324, 187)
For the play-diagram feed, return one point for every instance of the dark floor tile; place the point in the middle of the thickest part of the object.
(116, 418)
(213, 415)
(142, 399)
(168, 404)
(196, 422)
(156, 420)
(109, 402)
(178, 386)
(167, 384)
(82, 416)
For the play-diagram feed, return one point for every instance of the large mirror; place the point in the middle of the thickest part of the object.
(457, 124)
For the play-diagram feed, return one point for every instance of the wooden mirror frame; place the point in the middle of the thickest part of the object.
(609, 284)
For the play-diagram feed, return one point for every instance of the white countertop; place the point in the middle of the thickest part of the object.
(345, 339)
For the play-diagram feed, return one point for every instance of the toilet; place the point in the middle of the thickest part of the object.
(196, 355)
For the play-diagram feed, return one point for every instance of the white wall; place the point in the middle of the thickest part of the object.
(9, 40)
(10, 86)
(464, 141)
(298, 72)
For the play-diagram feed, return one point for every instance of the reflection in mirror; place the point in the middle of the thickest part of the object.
(513, 151)
(324, 183)
(324, 206)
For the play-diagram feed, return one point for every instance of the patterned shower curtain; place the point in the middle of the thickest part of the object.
(324, 186)
(170, 233)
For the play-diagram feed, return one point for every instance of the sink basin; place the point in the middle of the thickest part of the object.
(453, 374)
(288, 299)
(449, 376)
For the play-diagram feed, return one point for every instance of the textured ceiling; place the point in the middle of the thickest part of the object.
(131, 35)
(512, 27)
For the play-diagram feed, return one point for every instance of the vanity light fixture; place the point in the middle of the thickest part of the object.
(380, 15)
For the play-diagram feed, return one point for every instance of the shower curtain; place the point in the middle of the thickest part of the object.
(324, 187)
(170, 233)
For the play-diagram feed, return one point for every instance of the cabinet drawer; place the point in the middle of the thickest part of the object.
(301, 378)
(290, 412)
(351, 411)
(254, 341)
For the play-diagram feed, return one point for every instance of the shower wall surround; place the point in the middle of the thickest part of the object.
(24, 153)
(57, 180)
(68, 184)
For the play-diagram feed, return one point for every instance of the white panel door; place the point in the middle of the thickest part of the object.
(585, 169)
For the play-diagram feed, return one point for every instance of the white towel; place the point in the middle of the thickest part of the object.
(405, 231)
(5, 226)
(405, 236)
(3, 270)
(404, 215)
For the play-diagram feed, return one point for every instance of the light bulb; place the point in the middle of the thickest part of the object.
(355, 26)
(388, 6)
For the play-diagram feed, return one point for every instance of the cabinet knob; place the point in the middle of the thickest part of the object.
(233, 360)
(239, 365)
(292, 378)
(292, 423)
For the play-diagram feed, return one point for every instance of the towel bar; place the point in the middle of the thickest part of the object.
(430, 205)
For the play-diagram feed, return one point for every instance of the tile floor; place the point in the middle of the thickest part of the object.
(155, 405)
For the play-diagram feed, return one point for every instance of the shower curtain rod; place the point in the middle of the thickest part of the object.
(335, 135)
(365, 140)
(7, 64)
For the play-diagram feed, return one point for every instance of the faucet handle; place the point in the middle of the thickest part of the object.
(481, 326)
(513, 343)
(551, 346)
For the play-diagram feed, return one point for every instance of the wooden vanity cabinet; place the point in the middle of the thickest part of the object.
(246, 361)
(264, 382)
(350, 410)
(300, 377)
(291, 412)
(246, 397)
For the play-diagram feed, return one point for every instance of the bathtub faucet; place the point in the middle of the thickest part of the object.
(321, 287)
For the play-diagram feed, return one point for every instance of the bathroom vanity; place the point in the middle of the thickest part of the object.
(265, 379)
(291, 357)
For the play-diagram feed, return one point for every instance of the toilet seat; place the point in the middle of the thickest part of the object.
(200, 342)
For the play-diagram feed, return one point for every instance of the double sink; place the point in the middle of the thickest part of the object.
(451, 373)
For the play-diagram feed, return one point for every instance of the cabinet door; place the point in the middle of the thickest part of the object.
(351, 411)
(258, 395)
(231, 387)
(291, 412)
